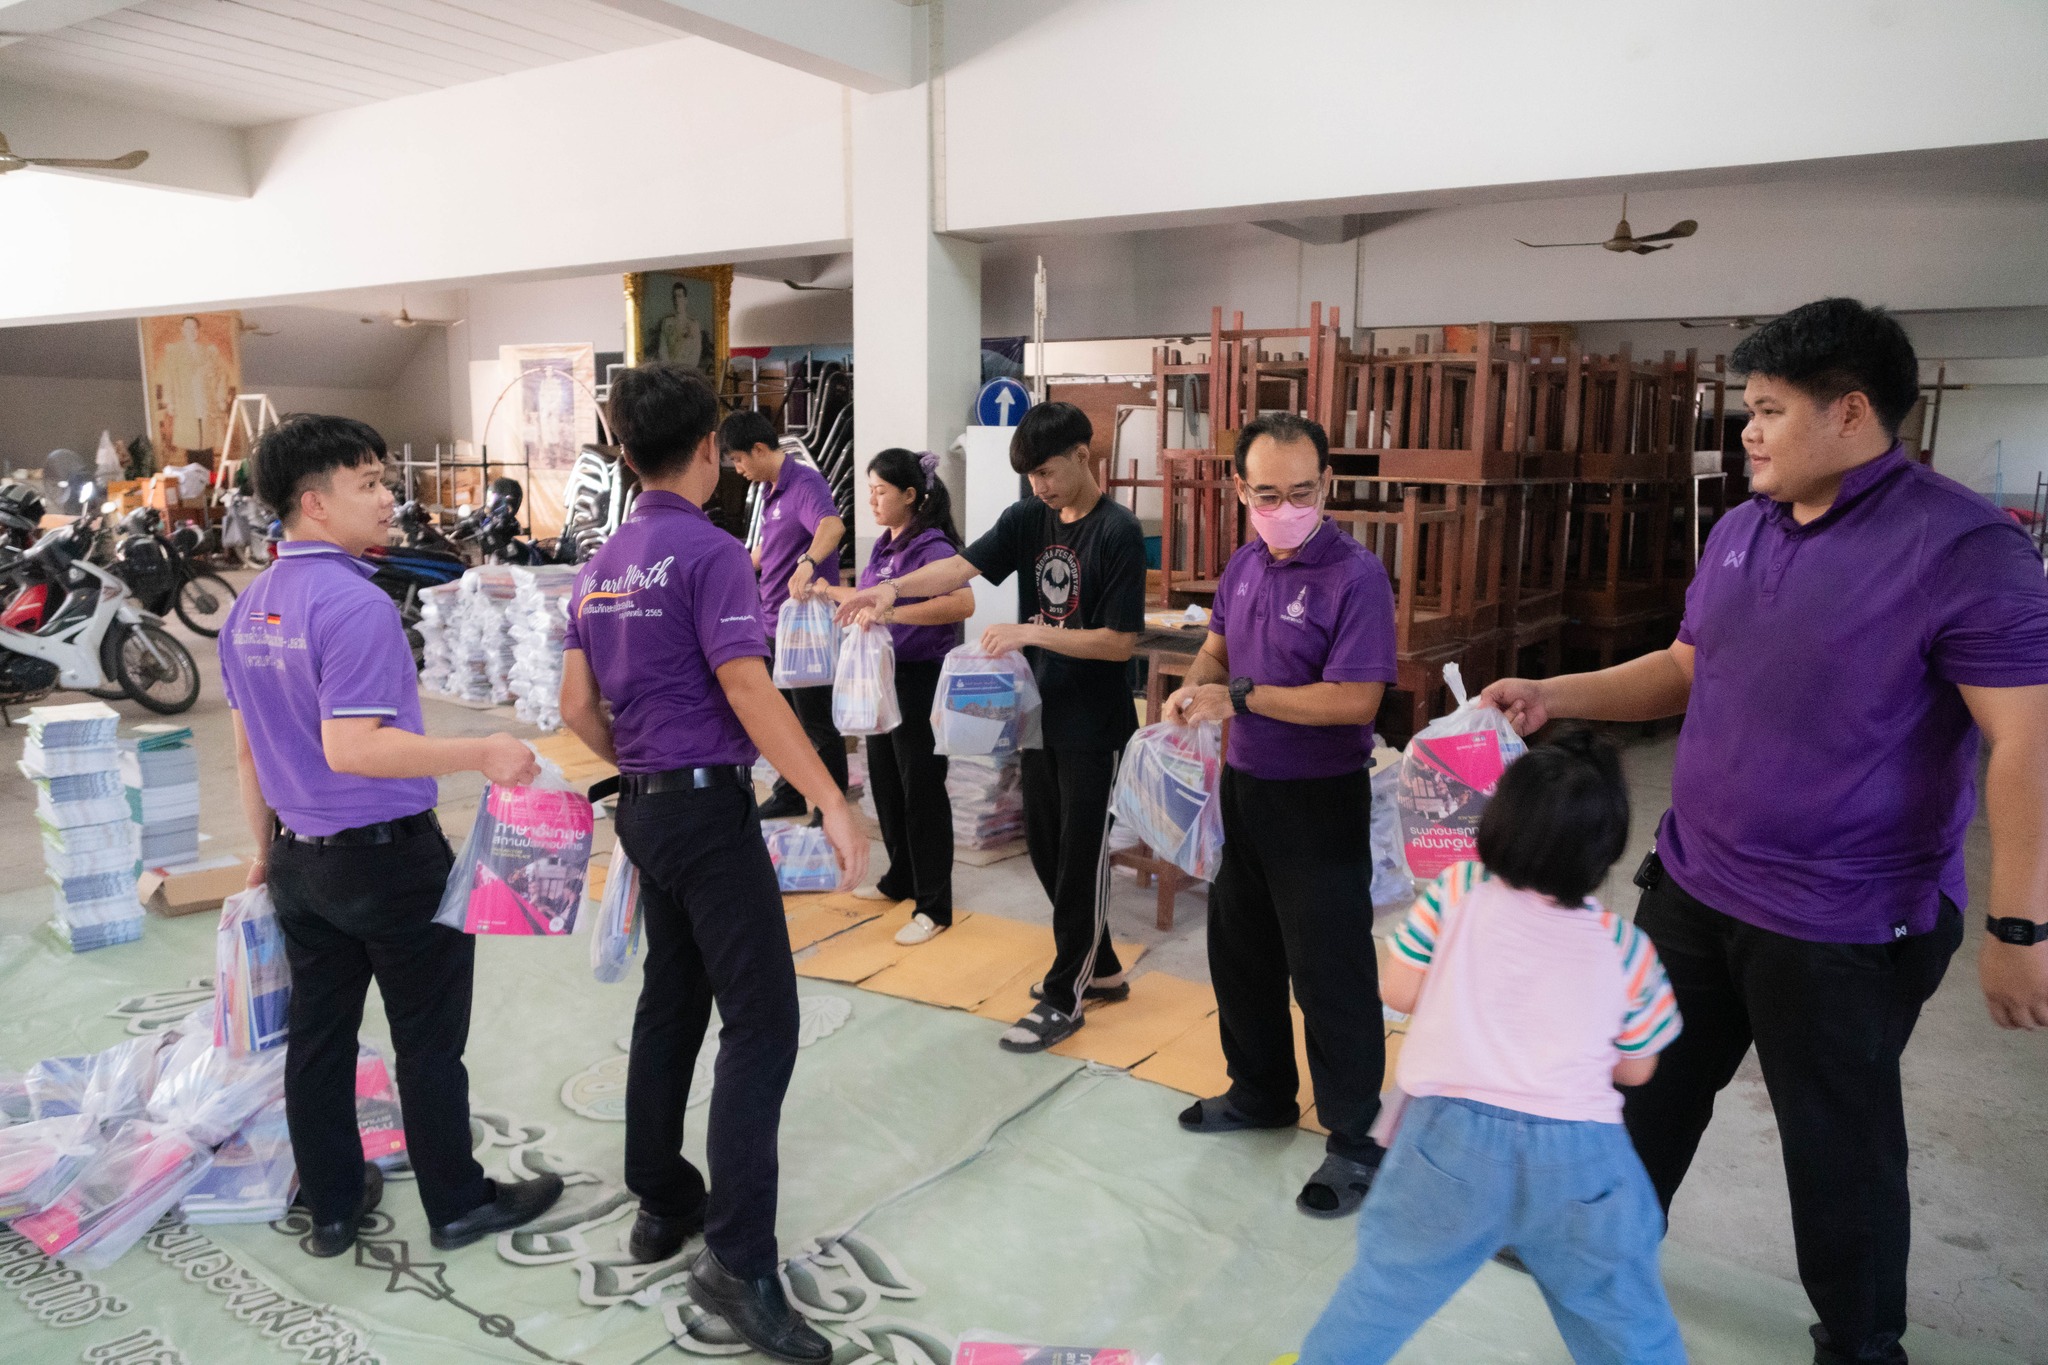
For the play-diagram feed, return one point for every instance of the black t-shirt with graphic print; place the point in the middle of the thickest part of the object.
(1082, 575)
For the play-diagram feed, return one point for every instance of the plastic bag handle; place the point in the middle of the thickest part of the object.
(1454, 678)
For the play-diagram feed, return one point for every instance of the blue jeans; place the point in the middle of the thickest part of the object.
(1466, 1179)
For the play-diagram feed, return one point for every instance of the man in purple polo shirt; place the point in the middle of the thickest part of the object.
(1847, 635)
(337, 784)
(665, 629)
(800, 533)
(1300, 650)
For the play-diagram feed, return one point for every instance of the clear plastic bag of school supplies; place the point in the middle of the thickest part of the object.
(380, 1122)
(141, 1172)
(617, 933)
(521, 871)
(806, 643)
(1166, 794)
(56, 1086)
(864, 687)
(120, 1080)
(803, 857)
(252, 981)
(253, 1176)
(14, 1105)
(986, 704)
(38, 1161)
(209, 1093)
(1447, 776)
(1391, 884)
(984, 1348)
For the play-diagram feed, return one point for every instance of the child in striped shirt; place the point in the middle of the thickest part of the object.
(1531, 1003)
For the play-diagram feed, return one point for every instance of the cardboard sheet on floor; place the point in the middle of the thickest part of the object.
(1192, 1063)
(967, 964)
(1161, 1009)
(859, 953)
(817, 917)
(1012, 1001)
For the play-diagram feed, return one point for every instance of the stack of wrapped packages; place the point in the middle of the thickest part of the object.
(94, 1150)
(536, 621)
(74, 760)
(988, 800)
(437, 632)
(483, 646)
(160, 769)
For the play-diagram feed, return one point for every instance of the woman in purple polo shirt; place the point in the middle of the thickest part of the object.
(1848, 634)
(906, 774)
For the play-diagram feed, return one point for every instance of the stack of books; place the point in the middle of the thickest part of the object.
(160, 769)
(89, 847)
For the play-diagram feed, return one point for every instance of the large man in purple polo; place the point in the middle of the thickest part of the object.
(337, 784)
(665, 634)
(1300, 650)
(1848, 634)
(801, 530)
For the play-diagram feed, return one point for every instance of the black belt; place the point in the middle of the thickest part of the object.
(684, 779)
(365, 836)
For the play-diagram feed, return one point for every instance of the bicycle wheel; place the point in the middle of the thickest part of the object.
(157, 671)
(204, 601)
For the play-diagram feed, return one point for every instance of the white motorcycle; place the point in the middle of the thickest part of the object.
(66, 622)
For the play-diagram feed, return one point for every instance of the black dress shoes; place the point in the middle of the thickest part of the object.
(331, 1239)
(516, 1202)
(757, 1310)
(656, 1237)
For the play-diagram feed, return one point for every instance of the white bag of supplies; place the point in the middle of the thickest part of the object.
(985, 704)
(806, 643)
(1447, 776)
(864, 687)
(1166, 794)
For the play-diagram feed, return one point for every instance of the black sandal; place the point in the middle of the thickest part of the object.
(1104, 990)
(1217, 1115)
(1039, 1030)
(1337, 1188)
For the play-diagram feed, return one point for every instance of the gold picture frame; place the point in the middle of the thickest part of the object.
(651, 304)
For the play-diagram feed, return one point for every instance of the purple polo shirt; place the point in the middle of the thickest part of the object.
(892, 559)
(1826, 770)
(668, 599)
(796, 502)
(1326, 614)
(312, 638)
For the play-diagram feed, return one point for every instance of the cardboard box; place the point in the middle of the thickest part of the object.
(171, 894)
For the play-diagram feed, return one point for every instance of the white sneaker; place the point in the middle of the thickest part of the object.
(921, 929)
(872, 893)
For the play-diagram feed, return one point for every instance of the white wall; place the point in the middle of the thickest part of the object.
(1975, 420)
(770, 313)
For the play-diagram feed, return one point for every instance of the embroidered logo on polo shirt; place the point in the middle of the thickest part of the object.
(1734, 559)
(1298, 608)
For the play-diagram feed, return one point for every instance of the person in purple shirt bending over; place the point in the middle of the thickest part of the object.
(1300, 650)
(664, 673)
(907, 774)
(800, 534)
(337, 783)
(1848, 634)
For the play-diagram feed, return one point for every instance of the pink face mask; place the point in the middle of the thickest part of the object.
(1286, 526)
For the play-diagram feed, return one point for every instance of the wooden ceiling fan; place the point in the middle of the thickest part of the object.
(404, 319)
(9, 161)
(1626, 240)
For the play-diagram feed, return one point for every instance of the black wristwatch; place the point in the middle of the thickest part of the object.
(2023, 933)
(1240, 695)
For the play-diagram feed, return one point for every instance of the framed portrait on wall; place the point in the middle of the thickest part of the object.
(551, 400)
(191, 372)
(680, 316)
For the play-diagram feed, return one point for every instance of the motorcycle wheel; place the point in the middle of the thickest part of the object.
(156, 670)
(204, 602)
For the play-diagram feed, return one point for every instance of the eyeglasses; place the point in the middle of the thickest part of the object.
(1267, 499)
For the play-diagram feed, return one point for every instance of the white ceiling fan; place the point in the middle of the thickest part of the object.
(10, 161)
(404, 319)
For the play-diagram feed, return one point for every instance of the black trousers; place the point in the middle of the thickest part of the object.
(1829, 1021)
(713, 918)
(911, 805)
(1066, 814)
(350, 914)
(1292, 902)
(813, 707)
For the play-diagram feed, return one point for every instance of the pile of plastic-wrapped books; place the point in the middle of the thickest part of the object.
(95, 1149)
(483, 647)
(160, 769)
(72, 757)
(437, 632)
(536, 621)
(988, 800)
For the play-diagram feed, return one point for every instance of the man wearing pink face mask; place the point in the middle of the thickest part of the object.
(1300, 650)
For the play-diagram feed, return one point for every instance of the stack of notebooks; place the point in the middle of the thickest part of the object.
(160, 769)
(89, 849)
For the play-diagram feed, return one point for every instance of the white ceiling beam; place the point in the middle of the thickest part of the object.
(21, 19)
(870, 45)
(184, 153)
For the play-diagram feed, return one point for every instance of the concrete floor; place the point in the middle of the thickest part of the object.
(1977, 1098)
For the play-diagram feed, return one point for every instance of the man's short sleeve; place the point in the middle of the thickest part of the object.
(1226, 595)
(811, 502)
(364, 664)
(1362, 645)
(224, 646)
(1990, 605)
(572, 635)
(728, 607)
(1123, 574)
(998, 552)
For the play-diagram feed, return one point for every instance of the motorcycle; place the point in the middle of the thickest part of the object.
(494, 529)
(248, 533)
(426, 559)
(69, 623)
(164, 575)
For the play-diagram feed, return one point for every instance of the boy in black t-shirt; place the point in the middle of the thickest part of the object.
(1080, 561)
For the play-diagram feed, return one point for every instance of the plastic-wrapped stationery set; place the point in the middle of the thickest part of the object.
(89, 848)
(1447, 777)
(985, 704)
(806, 643)
(864, 686)
(802, 855)
(1166, 794)
(522, 869)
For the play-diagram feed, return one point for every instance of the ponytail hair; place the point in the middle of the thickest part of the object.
(919, 473)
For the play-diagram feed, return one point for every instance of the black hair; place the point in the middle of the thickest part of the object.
(661, 413)
(934, 505)
(1834, 347)
(742, 431)
(192, 318)
(1559, 818)
(1285, 429)
(1047, 432)
(306, 448)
